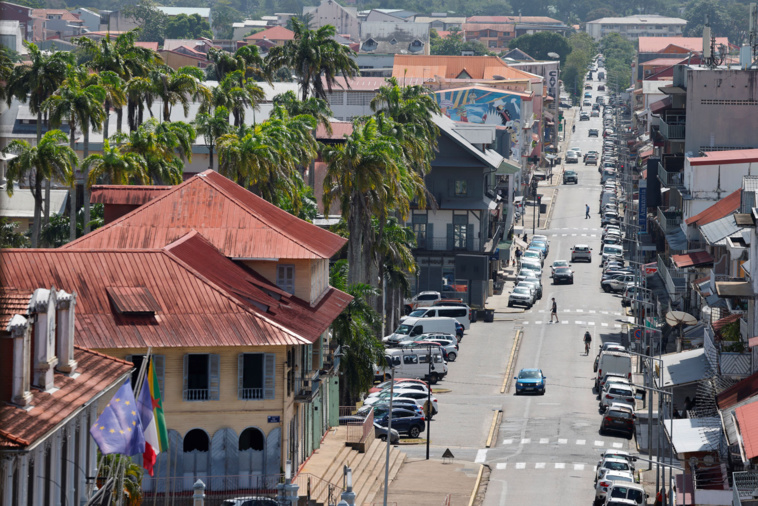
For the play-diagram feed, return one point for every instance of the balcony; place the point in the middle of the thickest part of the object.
(441, 244)
(728, 361)
(672, 125)
(670, 179)
(669, 221)
(676, 282)
(306, 389)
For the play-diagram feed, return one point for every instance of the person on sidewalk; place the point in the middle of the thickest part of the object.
(586, 211)
(518, 257)
(554, 312)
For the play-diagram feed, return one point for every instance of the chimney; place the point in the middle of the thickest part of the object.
(42, 306)
(22, 345)
(65, 344)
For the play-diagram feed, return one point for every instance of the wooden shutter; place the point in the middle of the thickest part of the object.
(450, 237)
(269, 379)
(240, 374)
(273, 460)
(470, 237)
(224, 459)
(186, 377)
(213, 377)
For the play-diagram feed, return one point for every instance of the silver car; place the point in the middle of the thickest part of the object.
(521, 296)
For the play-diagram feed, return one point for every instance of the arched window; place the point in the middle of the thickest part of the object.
(196, 439)
(252, 439)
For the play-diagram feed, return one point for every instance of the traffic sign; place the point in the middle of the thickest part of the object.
(638, 334)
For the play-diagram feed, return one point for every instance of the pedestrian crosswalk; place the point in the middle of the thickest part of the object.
(581, 313)
(563, 441)
(501, 466)
(575, 322)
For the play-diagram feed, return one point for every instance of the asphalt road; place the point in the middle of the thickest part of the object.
(545, 447)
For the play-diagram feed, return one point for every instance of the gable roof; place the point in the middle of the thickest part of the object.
(723, 207)
(716, 232)
(273, 33)
(658, 44)
(747, 418)
(95, 372)
(125, 194)
(477, 67)
(191, 309)
(518, 54)
(513, 19)
(743, 389)
(237, 222)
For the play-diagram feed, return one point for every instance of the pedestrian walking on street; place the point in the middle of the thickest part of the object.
(554, 312)
(586, 211)
(525, 241)
(518, 257)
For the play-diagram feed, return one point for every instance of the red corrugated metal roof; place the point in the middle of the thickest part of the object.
(273, 33)
(747, 419)
(193, 311)
(125, 194)
(738, 392)
(690, 259)
(725, 157)
(722, 322)
(660, 105)
(723, 207)
(237, 222)
(13, 302)
(340, 130)
(96, 372)
(132, 300)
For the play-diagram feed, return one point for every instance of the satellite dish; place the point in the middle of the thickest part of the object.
(708, 460)
(553, 55)
(676, 318)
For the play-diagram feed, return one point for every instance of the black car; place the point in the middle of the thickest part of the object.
(584, 117)
(563, 275)
(618, 418)
(593, 132)
(404, 421)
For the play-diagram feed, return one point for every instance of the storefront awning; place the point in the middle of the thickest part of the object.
(660, 105)
(734, 289)
(685, 368)
(692, 259)
(507, 168)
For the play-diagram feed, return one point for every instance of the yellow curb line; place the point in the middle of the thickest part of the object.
(516, 341)
(476, 485)
(492, 428)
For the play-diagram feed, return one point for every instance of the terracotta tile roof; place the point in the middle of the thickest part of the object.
(720, 209)
(725, 157)
(662, 62)
(273, 33)
(146, 44)
(450, 67)
(512, 19)
(747, 419)
(371, 83)
(497, 27)
(125, 194)
(245, 284)
(658, 44)
(340, 130)
(738, 392)
(237, 222)
(193, 311)
(690, 259)
(723, 322)
(20, 428)
(13, 302)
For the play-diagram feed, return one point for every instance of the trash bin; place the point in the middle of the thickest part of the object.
(489, 315)
(543, 208)
(474, 315)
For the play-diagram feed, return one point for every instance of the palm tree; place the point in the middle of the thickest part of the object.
(364, 175)
(354, 329)
(139, 93)
(212, 127)
(115, 167)
(115, 96)
(177, 87)
(246, 59)
(315, 57)
(236, 94)
(79, 101)
(6, 69)
(396, 263)
(50, 158)
(316, 107)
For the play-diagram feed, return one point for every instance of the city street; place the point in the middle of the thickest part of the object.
(542, 439)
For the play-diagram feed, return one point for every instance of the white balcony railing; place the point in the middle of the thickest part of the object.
(675, 282)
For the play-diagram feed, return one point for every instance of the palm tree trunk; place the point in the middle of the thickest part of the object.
(355, 258)
(85, 175)
(47, 181)
(210, 156)
(119, 119)
(37, 209)
(107, 122)
(72, 201)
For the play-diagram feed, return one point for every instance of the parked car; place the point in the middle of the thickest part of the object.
(534, 284)
(611, 464)
(541, 246)
(533, 253)
(600, 87)
(581, 252)
(572, 157)
(451, 350)
(610, 478)
(399, 382)
(616, 283)
(626, 492)
(569, 176)
(618, 418)
(404, 421)
(563, 275)
(521, 296)
(381, 433)
(530, 380)
(257, 500)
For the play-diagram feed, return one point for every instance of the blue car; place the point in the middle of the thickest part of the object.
(540, 246)
(404, 421)
(530, 381)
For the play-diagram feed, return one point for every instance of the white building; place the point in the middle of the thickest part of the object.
(633, 27)
(11, 35)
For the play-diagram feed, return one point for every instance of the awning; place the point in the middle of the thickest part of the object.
(647, 153)
(692, 435)
(685, 368)
(693, 259)
(734, 289)
(507, 167)
(548, 115)
(660, 105)
(677, 240)
(673, 90)
(640, 113)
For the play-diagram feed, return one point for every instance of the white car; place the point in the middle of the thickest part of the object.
(450, 348)
(611, 477)
(616, 454)
(398, 390)
(581, 252)
(571, 157)
(612, 464)
(521, 296)
(616, 392)
(578, 151)
(419, 397)
(532, 287)
(533, 253)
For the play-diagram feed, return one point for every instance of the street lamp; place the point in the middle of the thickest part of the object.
(389, 362)
(429, 400)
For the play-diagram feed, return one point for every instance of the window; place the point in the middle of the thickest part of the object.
(256, 376)
(421, 229)
(285, 278)
(460, 229)
(461, 188)
(201, 377)
(410, 359)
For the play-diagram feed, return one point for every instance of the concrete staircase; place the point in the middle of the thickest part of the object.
(328, 461)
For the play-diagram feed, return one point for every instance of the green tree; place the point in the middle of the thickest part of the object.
(212, 127)
(394, 250)
(10, 237)
(177, 87)
(56, 233)
(115, 167)
(538, 45)
(619, 54)
(152, 22)
(224, 15)
(600, 12)
(79, 101)
(49, 159)
(188, 27)
(316, 107)
(237, 94)
(454, 45)
(128, 476)
(6, 69)
(727, 19)
(355, 330)
(315, 57)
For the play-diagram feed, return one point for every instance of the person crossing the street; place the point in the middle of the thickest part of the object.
(586, 211)
(554, 312)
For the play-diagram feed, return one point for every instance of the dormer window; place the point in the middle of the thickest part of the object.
(369, 45)
(416, 46)
(393, 41)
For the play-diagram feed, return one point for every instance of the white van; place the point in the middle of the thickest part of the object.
(460, 313)
(612, 250)
(412, 363)
(412, 327)
(613, 362)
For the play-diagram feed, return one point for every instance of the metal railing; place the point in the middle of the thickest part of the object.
(672, 131)
(744, 484)
(358, 431)
(670, 179)
(441, 244)
(313, 487)
(669, 221)
(250, 393)
(196, 394)
(674, 284)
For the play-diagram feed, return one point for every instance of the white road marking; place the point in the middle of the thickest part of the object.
(560, 465)
(604, 324)
(562, 441)
(520, 465)
(500, 465)
(538, 323)
(481, 456)
(579, 322)
(599, 443)
(539, 465)
(565, 322)
(541, 311)
(592, 311)
(544, 441)
(580, 310)
(508, 442)
(578, 441)
(578, 467)
(603, 312)
(591, 324)
(526, 441)
(617, 326)
(618, 445)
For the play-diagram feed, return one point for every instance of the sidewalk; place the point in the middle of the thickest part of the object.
(429, 482)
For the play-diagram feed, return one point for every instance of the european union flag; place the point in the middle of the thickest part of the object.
(118, 429)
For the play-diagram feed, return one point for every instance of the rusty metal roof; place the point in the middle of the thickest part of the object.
(193, 311)
(20, 428)
(126, 194)
(720, 209)
(132, 300)
(738, 392)
(13, 302)
(237, 222)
